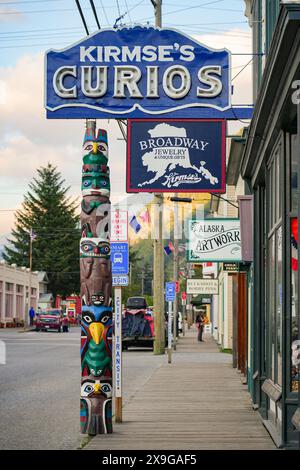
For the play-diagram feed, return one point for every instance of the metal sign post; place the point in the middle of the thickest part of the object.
(169, 332)
(118, 354)
(170, 297)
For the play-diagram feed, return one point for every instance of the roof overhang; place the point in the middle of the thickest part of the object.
(275, 93)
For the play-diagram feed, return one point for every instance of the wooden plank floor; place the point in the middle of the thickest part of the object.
(197, 402)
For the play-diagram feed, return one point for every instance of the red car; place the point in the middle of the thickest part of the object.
(49, 319)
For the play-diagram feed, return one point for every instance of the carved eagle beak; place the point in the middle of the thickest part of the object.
(95, 147)
(96, 330)
(97, 388)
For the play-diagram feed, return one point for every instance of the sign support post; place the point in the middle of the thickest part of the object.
(169, 332)
(118, 354)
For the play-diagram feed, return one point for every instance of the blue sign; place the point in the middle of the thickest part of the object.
(119, 256)
(134, 72)
(186, 155)
(170, 291)
(120, 281)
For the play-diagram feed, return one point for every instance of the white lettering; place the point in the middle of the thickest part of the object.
(168, 85)
(58, 82)
(152, 82)
(164, 53)
(187, 53)
(215, 85)
(127, 77)
(100, 88)
(85, 53)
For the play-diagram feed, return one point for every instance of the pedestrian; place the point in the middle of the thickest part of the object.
(31, 315)
(200, 326)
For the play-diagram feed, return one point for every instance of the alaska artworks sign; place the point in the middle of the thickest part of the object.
(152, 71)
(186, 155)
(214, 240)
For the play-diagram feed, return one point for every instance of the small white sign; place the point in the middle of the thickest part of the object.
(215, 240)
(202, 286)
(118, 343)
(121, 281)
(119, 226)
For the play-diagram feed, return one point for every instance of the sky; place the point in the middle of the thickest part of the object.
(28, 28)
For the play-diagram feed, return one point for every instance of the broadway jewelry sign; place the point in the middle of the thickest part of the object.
(214, 240)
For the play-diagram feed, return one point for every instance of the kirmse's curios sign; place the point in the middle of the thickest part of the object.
(133, 72)
(176, 155)
(214, 240)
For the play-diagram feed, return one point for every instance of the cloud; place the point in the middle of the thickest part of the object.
(28, 140)
(10, 14)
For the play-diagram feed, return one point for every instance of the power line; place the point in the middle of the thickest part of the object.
(95, 13)
(248, 63)
(104, 11)
(82, 16)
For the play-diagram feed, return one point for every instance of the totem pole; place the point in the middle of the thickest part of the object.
(96, 286)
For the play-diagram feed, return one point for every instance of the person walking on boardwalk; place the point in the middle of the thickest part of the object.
(200, 326)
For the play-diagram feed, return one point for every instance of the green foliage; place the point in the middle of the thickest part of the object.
(50, 214)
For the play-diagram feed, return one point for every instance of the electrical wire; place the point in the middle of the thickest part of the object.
(104, 11)
(82, 16)
(95, 13)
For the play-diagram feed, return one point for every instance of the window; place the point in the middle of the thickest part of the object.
(294, 330)
(274, 266)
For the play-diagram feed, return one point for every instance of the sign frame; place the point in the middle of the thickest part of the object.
(178, 47)
(123, 248)
(117, 277)
(221, 185)
(213, 291)
(170, 291)
(209, 259)
(120, 239)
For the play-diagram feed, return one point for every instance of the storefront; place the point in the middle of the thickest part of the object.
(271, 166)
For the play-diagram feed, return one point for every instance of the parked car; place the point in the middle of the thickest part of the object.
(137, 323)
(49, 319)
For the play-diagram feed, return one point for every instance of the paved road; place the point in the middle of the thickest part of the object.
(40, 384)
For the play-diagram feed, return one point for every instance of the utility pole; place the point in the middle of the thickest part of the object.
(158, 262)
(158, 280)
(157, 8)
(28, 299)
(175, 272)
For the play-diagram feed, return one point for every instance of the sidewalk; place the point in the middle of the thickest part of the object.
(197, 402)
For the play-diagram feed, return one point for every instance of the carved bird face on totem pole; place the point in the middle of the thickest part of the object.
(95, 143)
(95, 406)
(96, 327)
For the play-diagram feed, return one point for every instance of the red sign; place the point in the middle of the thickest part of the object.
(177, 288)
(183, 295)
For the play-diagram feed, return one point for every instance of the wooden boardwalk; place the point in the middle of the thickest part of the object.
(197, 402)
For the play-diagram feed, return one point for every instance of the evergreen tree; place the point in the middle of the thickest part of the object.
(51, 216)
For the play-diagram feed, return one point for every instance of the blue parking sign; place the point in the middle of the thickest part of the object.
(119, 258)
(170, 291)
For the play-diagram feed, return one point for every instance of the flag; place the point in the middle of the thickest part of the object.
(145, 217)
(134, 224)
(33, 235)
(171, 246)
(294, 241)
(167, 250)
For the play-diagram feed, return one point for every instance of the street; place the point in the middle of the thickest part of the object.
(40, 384)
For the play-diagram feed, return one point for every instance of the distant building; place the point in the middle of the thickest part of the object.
(14, 290)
